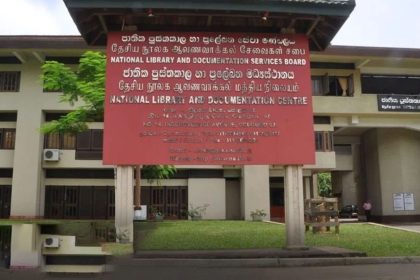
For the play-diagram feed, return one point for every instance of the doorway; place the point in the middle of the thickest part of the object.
(277, 199)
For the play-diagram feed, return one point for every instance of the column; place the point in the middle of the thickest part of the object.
(124, 211)
(307, 184)
(315, 193)
(293, 195)
(255, 190)
(26, 246)
(27, 191)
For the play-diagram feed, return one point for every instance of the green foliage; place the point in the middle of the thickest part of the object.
(158, 172)
(85, 89)
(324, 184)
(197, 211)
(258, 212)
(86, 84)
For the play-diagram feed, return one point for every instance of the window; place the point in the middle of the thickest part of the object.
(343, 149)
(8, 117)
(390, 84)
(79, 202)
(79, 173)
(322, 120)
(9, 81)
(7, 138)
(5, 198)
(170, 200)
(64, 141)
(332, 85)
(323, 141)
(89, 144)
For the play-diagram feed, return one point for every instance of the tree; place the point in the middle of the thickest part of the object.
(324, 184)
(85, 89)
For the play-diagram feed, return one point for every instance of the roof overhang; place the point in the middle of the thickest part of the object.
(320, 20)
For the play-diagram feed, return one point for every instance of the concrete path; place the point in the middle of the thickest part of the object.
(413, 227)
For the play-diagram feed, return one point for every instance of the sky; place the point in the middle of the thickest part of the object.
(380, 23)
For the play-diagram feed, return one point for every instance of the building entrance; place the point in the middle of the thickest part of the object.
(277, 199)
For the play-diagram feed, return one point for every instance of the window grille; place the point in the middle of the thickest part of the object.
(9, 81)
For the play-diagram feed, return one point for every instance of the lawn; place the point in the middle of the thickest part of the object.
(199, 235)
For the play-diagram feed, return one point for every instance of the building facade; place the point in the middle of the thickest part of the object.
(371, 147)
(366, 126)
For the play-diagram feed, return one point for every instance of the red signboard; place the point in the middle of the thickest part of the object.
(208, 98)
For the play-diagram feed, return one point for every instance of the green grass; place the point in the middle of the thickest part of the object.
(201, 235)
(118, 249)
(376, 241)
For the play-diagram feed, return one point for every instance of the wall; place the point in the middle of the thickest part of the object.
(399, 154)
(372, 172)
(255, 190)
(211, 192)
(344, 184)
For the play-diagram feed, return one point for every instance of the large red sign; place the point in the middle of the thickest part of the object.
(208, 98)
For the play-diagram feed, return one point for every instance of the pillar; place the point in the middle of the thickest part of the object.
(255, 190)
(124, 211)
(294, 207)
(27, 191)
(26, 246)
(315, 193)
(307, 184)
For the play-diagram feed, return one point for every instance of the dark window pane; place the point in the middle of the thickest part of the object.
(5, 198)
(54, 202)
(79, 202)
(323, 141)
(7, 138)
(83, 141)
(68, 141)
(100, 199)
(52, 141)
(97, 139)
(390, 84)
(9, 81)
(85, 202)
(89, 144)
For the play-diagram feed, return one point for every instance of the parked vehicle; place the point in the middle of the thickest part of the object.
(349, 211)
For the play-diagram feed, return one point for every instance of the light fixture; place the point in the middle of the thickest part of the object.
(150, 13)
(265, 16)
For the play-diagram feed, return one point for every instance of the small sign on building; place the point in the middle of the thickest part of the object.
(403, 201)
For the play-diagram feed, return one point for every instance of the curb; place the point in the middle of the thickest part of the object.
(277, 262)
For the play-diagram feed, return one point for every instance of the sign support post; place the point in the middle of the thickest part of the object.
(124, 202)
(294, 212)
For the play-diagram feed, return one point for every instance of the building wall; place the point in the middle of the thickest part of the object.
(255, 190)
(390, 153)
(344, 184)
(372, 173)
(211, 192)
(399, 154)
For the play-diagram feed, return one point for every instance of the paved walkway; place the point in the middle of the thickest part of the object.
(409, 227)
(412, 227)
